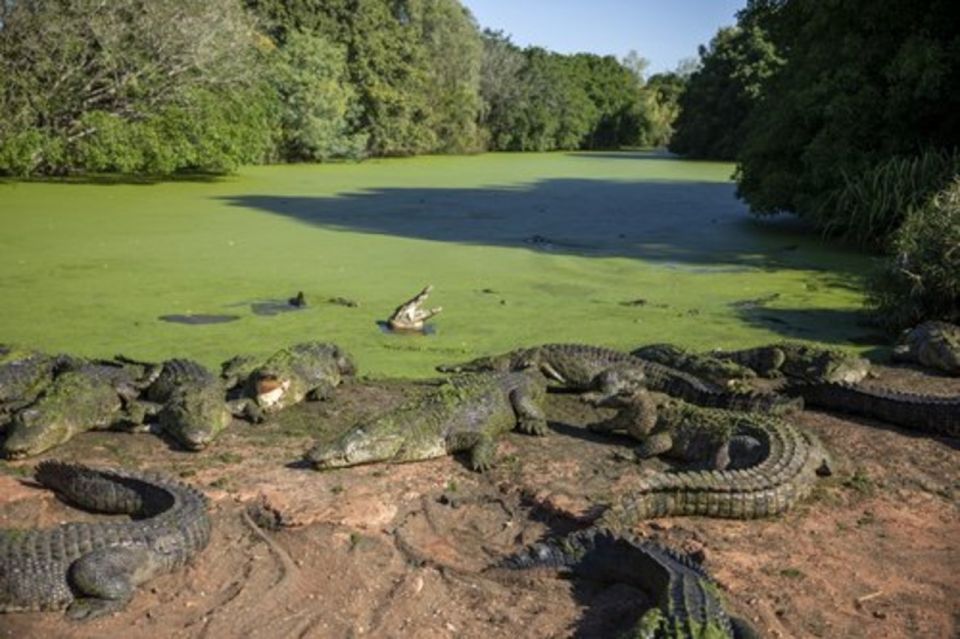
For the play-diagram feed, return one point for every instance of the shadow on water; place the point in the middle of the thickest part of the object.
(812, 323)
(115, 179)
(683, 225)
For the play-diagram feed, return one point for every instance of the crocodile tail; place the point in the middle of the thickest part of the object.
(564, 552)
(96, 490)
(934, 414)
(785, 476)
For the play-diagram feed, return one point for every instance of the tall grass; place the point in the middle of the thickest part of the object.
(872, 204)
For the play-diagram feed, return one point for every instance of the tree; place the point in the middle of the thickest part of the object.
(863, 80)
(99, 86)
(453, 57)
(315, 100)
(721, 93)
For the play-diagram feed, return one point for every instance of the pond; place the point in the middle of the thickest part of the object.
(619, 249)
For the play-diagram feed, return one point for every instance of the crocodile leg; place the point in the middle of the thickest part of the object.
(653, 445)
(482, 454)
(530, 417)
(322, 392)
(104, 580)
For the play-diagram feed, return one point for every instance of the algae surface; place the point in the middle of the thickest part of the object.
(616, 249)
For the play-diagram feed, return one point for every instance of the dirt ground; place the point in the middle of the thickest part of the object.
(402, 550)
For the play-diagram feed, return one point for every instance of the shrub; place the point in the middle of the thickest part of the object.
(921, 281)
(871, 205)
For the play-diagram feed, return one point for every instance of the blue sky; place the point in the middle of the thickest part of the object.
(663, 31)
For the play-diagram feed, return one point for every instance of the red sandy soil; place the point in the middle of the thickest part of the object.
(403, 550)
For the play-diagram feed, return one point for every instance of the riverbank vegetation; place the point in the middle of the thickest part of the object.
(168, 86)
(846, 114)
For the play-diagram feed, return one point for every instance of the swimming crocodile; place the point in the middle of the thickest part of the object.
(928, 413)
(92, 569)
(723, 439)
(800, 362)
(465, 413)
(189, 402)
(931, 344)
(714, 369)
(687, 603)
(309, 369)
(606, 372)
(84, 395)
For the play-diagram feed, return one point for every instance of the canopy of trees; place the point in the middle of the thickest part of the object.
(165, 86)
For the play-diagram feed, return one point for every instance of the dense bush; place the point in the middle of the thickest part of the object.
(922, 280)
(128, 86)
(863, 81)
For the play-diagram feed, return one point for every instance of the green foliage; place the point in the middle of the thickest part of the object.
(453, 54)
(127, 86)
(537, 100)
(654, 116)
(871, 205)
(864, 80)
(922, 280)
(722, 92)
(316, 102)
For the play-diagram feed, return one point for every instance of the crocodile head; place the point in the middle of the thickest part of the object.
(361, 445)
(497, 363)
(33, 431)
(815, 364)
(195, 417)
(76, 401)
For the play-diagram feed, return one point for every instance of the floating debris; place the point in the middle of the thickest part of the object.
(343, 301)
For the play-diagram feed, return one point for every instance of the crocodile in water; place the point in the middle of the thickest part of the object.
(686, 601)
(466, 413)
(606, 372)
(93, 568)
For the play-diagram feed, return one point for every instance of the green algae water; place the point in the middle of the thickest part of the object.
(617, 249)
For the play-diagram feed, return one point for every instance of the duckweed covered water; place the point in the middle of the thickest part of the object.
(618, 249)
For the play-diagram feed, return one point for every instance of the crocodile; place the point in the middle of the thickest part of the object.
(783, 466)
(800, 362)
(714, 369)
(687, 603)
(465, 413)
(939, 415)
(85, 395)
(92, 569)
(931, 344)
(309, 369)
(189, 402)
(605, 372)
(723, 439)
(24, 374)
